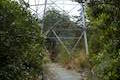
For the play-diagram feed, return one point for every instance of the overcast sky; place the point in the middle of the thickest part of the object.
(70, 7)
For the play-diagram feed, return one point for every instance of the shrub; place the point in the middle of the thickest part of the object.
(63, 56)
(77, 60)
(104, 38)
(21, 43)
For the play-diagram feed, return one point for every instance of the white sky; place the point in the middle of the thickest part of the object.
(70, 7)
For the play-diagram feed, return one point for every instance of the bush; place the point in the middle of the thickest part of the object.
(63, 56)
(77, 60)
(104, 39)
(80, 60)
(21, 43)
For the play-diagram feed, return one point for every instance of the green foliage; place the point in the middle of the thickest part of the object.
(62, 26)
(56, 20)
(53, 16)
(78, 60)
(63, 56)
(21, 44)
(104, 39)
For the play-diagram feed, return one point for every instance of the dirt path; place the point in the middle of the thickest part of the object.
(56, 72)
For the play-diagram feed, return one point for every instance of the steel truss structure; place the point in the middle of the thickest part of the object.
(35, 6)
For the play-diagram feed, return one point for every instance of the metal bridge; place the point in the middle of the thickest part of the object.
(40, 7)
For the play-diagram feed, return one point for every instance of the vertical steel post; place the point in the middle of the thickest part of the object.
(84, 32)
(36, 8)
(44, 16)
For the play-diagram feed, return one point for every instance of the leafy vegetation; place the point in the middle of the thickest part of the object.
(104, 38)
(60, 23)
(76, 60)
(21, 44)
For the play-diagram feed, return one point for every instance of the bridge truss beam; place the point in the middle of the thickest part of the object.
(46, 5)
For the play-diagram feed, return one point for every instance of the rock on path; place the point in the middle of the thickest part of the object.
(56, 72)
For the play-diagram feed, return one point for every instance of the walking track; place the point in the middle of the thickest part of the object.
(56, 72)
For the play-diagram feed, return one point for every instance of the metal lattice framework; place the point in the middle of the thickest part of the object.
(39, 8)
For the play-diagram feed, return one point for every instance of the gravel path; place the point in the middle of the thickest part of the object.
(56, 72)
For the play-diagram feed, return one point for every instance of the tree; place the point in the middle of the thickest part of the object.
(21, 44)
(55, 20)
(63, 26)
(54, 16)
(104, 38)
(61, 23)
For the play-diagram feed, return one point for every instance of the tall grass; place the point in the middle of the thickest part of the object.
(77, 60)
(63, 57)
